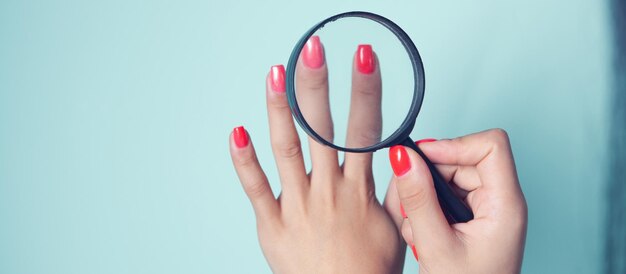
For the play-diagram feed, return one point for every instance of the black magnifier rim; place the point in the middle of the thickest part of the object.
(418, 76)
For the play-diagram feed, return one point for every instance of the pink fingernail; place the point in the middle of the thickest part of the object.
(240, 136)
(399, 158)
(365, 61)
(313, 53)
(277, 75)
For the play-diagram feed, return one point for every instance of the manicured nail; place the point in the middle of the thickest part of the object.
(400, 162)
(277, 73)
(240, 136)
(313, 53)
(365, 61)
(403, 212)
(414, 252)
(427, 140)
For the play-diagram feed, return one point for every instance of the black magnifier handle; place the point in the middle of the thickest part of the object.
(455, 210)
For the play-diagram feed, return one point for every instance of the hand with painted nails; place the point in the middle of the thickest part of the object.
(482, 170)
(327, 220)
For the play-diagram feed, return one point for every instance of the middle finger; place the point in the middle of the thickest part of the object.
(312, 94)
(365, 122)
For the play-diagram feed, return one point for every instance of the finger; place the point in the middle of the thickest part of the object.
(392, 204)
(312, 96)
(396, 211)
(365, 120)
(417, 195)
(407, 234)
(251, 175)
(463, 178)
(283, 134)
(489, 151)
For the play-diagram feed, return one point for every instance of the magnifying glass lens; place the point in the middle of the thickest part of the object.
(354, 83)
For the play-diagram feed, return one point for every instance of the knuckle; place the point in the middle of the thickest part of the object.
(519, 215)
(278, 102)
(245, 161)
(288, 150)
(368, 91)
(414, 199)
(256, 189)
(499, 134)
(317, 81)
(499, 138)
(367, 137)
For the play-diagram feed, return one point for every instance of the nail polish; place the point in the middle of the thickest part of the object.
(399, 158)
(240, 136)
(365, 61)
(414, 252)
(313, 53)
(277, 75)
(427, 140)
(403, 212)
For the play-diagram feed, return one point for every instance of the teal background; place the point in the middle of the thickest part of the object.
(115, 115)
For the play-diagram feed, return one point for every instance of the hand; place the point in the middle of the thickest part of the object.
(483, 171)
(328, 221)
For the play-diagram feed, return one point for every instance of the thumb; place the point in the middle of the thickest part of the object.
(431, 232)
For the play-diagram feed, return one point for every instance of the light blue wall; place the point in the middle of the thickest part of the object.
(114, 118)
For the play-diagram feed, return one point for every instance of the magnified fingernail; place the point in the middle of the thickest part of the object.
(403, 212)
(414, 252)
(240, 136)
(277, 74)
(427, 140)
(399, 158)
(313, 53)
(365, 62)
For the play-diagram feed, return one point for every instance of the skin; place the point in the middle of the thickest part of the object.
(329, 220)
(483, 171)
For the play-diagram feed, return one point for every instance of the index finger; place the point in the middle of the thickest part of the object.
(489, 151)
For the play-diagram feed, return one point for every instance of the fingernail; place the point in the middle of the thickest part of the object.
(427, 140)
(399, 158)
(313, 54)
(277, 73)
(403, 212)
(240, 136)
(365, 62)
(414, 252)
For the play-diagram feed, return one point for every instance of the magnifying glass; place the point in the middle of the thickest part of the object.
(368, 102)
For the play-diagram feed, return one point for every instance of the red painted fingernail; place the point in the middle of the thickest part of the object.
(399, 158)
(403, 212)
(313, 53)
(240, 136)
(277, 73)
(365, 61)
(414, 252)
(427, 140)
